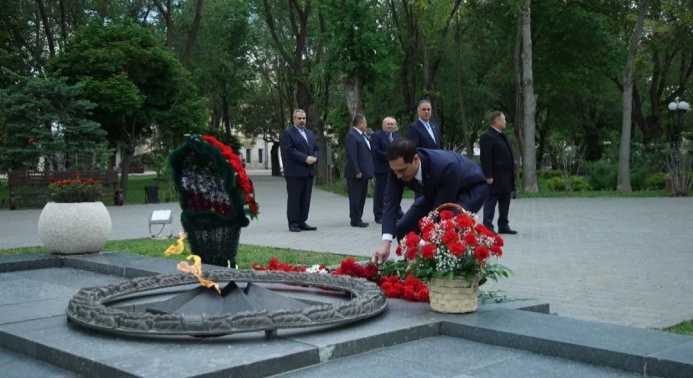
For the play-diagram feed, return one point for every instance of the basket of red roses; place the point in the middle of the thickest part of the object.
(455, 255)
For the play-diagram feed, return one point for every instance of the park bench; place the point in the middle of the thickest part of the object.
(29, 189)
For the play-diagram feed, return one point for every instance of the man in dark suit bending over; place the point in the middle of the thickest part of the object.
(440, 176)
(300, 152)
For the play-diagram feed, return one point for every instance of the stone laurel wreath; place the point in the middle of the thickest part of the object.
(88, 307)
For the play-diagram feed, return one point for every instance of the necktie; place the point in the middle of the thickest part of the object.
(368, 143)
(389, 136)
(303, 133)
(430, 131)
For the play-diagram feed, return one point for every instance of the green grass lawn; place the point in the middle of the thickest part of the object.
(247, 254)
(683, 328)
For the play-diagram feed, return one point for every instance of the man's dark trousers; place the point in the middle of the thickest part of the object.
(379, 195)
(300, 189)
(358, 191)
(503, 201)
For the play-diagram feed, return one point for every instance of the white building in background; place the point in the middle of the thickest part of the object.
(256, 152)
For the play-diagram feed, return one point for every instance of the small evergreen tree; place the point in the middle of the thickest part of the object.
(44, 125)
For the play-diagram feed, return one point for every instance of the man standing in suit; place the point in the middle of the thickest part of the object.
(423, 132)
(440, 176)
(379, 141)
(300, 152)
(499, 168)
(359, 168)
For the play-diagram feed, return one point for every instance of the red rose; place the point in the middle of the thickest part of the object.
(411, 253)
(398, 250)
(496, 250)
(498, 239)
(464, 221)
(470, 239)
(446, 214)
(450, 236)
(457, 249)
(411, 240)
(428, 251)
(481, 253)
(370, 271)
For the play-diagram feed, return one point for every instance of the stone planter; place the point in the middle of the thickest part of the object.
(73, 228)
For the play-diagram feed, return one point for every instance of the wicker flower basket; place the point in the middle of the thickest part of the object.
(453, 296)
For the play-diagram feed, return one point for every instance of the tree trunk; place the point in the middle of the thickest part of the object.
(166, 14)
(63, 27)
(468, 144)
(46, 27)
(226, 117)
(353, 93)
(529, 163)
(519, 114)
(623, 184)
(193, 34)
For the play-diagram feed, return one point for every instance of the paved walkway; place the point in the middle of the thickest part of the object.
(626, 261)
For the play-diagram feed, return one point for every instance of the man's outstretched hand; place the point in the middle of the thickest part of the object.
(381, 254)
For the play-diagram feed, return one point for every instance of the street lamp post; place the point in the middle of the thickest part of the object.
(679, 107)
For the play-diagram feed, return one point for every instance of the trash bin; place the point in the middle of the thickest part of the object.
(151, 194)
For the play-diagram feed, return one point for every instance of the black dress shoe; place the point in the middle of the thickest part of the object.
(306, 227)
(359, 224)
(379, 221)
(294, 228)
(507, 231)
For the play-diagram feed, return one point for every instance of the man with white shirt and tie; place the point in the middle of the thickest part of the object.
(300, 152)
(423, 132)
(359, 168)
(379, 142)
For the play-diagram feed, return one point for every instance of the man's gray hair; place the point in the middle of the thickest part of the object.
(296, 111)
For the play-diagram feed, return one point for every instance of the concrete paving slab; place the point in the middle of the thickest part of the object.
(13, 365)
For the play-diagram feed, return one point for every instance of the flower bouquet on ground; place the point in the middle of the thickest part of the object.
(455, 255)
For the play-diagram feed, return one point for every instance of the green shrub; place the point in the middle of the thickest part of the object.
(637, 178)
(551, 174)
(555, 184)
(602, 175)
(655, 181)
(579, 184)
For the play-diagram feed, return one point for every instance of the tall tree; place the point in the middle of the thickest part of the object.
(623, 184)
(296, 28)
(138, 85)
(529, 161)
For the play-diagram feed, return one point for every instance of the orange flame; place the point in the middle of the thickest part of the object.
(178, 247)
(196, 268)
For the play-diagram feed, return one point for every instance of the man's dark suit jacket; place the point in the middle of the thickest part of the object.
(497, 161)
(379, 143)
(417, 133)
(447, 177)
(295, 150)
(359, 158)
